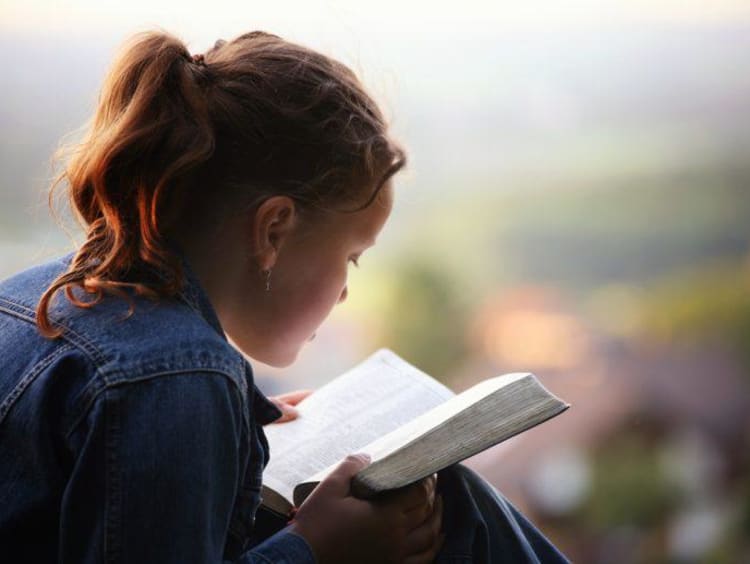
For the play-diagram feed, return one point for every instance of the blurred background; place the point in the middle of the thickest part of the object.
(576, 205)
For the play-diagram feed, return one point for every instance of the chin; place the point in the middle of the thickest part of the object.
(277, 359)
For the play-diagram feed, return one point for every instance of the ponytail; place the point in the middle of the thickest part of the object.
(151, 127)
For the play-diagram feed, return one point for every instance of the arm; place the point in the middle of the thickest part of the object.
(156, 471)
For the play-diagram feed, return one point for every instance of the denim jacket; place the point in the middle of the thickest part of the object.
(133, 439)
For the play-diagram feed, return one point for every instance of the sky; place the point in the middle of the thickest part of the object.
(348, 18)
(505, 81)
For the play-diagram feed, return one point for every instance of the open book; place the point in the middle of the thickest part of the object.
(409, 424)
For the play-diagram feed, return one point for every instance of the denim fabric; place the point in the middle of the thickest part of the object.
(483, 526)
(133, 439)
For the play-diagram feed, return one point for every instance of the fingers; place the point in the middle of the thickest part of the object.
(425, 541)
(286, 402)
(416, 495)
(288, 412)
(293, 398)
(417, 516)
(428, 555)
(338, 481)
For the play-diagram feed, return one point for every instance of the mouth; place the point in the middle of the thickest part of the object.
(311, 337)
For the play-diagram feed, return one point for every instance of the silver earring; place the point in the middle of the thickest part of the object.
(268, 280)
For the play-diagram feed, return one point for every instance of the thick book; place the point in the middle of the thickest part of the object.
(410, 424)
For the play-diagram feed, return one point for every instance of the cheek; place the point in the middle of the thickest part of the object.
(320, 294)
(292, 312)
(325, 292)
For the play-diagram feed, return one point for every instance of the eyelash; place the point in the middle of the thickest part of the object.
(354, 260)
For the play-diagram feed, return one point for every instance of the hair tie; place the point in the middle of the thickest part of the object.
(199, 60)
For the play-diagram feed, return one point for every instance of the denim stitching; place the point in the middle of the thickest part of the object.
(79, 340)
(258, 555)
(26, 381)
(103, 386)
(113, 489)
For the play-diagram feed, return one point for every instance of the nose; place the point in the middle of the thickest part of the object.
(344, 294)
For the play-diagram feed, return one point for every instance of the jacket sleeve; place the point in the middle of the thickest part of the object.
(285, 547)
(156, 468)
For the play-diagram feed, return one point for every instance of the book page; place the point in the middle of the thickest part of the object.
(384, 445)
(482, 416)
(375, 397)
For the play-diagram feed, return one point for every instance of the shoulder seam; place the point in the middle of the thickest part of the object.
(22, 312)
(28, 378)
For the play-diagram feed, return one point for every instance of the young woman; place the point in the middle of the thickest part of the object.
(223, 194)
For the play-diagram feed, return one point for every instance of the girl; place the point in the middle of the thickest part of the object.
(222, 195)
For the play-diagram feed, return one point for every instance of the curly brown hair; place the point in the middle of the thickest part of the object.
(253, 117)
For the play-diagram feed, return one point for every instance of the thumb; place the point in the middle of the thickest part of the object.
(339, 479)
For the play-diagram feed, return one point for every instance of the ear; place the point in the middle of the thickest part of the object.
(274, 221)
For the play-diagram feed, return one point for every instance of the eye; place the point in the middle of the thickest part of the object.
(354, 261)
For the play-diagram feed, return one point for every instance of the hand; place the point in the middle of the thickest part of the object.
(401, 526)
(286, 403)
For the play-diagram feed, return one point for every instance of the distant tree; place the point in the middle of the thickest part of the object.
(424, 319)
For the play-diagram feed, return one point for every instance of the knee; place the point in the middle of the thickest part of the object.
(464, 474)
(462, 480)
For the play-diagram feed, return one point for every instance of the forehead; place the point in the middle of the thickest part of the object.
(365, 224)
(380, 208)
